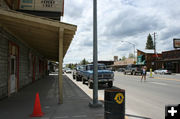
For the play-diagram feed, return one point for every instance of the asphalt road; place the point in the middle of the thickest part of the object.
(148, 99)
(143, 99)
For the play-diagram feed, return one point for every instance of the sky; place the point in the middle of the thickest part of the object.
(120, 20)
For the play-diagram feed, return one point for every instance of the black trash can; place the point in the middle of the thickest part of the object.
(114, 105)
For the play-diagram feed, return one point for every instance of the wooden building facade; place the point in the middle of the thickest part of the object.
(171, 60)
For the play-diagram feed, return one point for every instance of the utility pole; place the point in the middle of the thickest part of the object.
(154, 34)
(95, 102)
(134, 54)
(155, 48)
(95, 74)
(133, 47)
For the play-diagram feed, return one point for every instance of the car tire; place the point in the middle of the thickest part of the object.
(131, 73)
(124, 73)
(134, 73)
(74, 77)
(83, 81)
(80, 79)
(110, 84)
(90, 85)
(77, 78)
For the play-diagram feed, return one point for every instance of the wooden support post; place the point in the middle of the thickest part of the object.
(61, 32)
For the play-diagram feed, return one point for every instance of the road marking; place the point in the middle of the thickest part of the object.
(166, 79)
(164, 84)
(79, 116)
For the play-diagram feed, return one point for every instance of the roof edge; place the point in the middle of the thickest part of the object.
(37, 19)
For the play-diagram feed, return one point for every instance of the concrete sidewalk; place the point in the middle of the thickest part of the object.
(75, 106)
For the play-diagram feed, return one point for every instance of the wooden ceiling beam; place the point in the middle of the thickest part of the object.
(34, 38)
(28, 28)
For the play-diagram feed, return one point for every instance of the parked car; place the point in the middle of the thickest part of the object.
(68, 70)
(63, 70)
(104, 76)
(80, 73)
(121, 69)
(133, 69)
(162, 71)
(75, 71)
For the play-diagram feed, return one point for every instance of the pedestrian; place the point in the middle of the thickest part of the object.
(143, 73)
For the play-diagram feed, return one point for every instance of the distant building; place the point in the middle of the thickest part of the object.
(52, 66)
(170, 60)
(122, 63)
(148, 58)
(115, 58)
(107, 63)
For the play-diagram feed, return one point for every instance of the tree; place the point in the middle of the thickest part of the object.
(71, 65)
(149, 43)
(123, 58)
(84, 62)
(131, 55)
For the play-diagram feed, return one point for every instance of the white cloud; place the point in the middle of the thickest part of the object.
(121, 20)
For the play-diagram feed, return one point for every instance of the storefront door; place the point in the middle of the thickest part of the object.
(12, 74)
(178, 67)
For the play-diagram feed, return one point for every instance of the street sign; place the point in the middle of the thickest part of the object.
(176, 43)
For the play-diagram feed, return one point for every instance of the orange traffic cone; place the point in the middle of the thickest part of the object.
(37, 107)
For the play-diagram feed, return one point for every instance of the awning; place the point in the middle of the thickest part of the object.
(48, 37)
(40, 33)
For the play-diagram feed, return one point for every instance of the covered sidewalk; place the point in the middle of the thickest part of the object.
(75, 105)
(48, 37)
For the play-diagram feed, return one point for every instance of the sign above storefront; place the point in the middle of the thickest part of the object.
(176, 43)
(42, 5)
